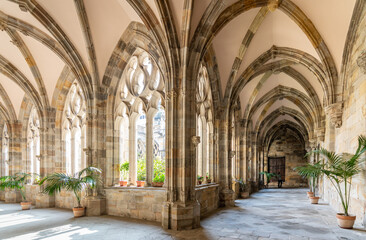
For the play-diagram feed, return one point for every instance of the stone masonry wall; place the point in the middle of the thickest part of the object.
(31, 192)
(141, 203)
(353, 123)
(208, 197)
(290, 148)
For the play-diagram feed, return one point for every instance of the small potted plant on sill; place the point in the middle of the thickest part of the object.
(312, 172)
(124, 168)
(340, 169)
(158, 180)
(199, 179)
(269, 176)
(141, 170)
(17, 182)
(208, 178)
(87, 178)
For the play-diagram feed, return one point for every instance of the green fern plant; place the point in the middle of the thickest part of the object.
(341, 168)
(87, 178)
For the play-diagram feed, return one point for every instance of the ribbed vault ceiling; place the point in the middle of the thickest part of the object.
(267, 59)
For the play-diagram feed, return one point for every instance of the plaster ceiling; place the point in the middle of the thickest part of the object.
(109, 19)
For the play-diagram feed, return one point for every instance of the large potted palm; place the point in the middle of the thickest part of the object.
(312, 172)
(340, 169)
(86, 178)
(17, 182)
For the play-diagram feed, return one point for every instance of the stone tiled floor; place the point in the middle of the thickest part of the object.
(269, 214)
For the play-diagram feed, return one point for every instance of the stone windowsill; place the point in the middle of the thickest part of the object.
(207, 185)
(135, 188)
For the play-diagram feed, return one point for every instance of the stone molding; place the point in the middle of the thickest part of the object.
(335, 111)
(361, 61)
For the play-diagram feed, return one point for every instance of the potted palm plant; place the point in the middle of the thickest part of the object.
(17, 182)
(312, 172)
(340, 169)
(86, 178)
(269, 176)
(124, 173)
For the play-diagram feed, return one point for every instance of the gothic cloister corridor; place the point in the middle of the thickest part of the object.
(180, 118)
(269, 214)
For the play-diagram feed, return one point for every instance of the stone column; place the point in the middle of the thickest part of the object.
(132, 175)
(149, 149)
(226, 195)
(47, 157)
(181, 210)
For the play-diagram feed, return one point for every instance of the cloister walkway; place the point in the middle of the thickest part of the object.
(269, 214)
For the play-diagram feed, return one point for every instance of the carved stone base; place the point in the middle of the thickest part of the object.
(181, 216)
(45, 201)
(95, 206)
(2, 195)
(13, 196)
(227, 198)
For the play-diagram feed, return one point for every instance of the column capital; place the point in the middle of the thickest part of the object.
(335, 111)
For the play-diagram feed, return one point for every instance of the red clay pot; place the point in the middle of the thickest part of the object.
(78, 211)
(157, 184)
(140, 183)
(314, 200)
(26, 205)
(123, 183)
(346, 222)
(310, 194)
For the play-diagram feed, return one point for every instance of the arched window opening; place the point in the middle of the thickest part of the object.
(74, 130)
(204, 151)
(33, 144)
(5, 151)
(123, 148)
(159, 146)
(140, 120)
(141, 147)
(233, 148)
(199, 149)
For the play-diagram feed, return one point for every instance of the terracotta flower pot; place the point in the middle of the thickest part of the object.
(78, 211)
(208, 180)
(26, 205)
(310, 194)
(123, 183)
(314, 200)
(199, 182)
(345, 221)
(244, 194)
(157, 184)
(140, 183)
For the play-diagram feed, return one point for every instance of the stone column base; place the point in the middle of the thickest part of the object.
(95, 206)
(2, 195)
(227, 198)
(45, 201)
(179, 216)
(13, 196)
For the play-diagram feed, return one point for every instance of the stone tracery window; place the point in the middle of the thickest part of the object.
(74, 129)
(204, 159)
(140, 117)
(33, 142)
(5, 151)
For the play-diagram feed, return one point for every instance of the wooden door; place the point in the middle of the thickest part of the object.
(277, 165)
